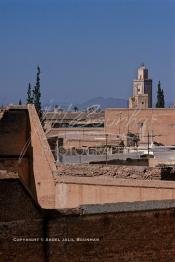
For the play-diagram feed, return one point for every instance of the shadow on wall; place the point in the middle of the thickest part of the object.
(168, 173)
(16, 153)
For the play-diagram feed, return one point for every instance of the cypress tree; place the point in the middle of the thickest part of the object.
(20, 102)
(160, 97)
(75, 108)
(29, 99)
(37, 94)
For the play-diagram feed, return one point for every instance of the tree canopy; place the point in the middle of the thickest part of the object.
(160, 97)
(34, 96)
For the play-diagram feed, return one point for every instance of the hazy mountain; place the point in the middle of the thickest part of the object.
(99, 102)
(170, 104)
(109, 102)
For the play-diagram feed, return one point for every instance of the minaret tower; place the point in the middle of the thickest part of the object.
(142, 90)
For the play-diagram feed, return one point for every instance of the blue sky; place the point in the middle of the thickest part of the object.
(85, 48)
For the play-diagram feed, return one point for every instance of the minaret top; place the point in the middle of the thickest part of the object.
(142, 72)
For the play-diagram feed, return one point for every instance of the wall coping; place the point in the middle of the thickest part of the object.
(108, 181)
(143, 109)
(120, 207)
(127, 207)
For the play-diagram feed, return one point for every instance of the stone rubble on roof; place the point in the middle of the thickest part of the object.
(128, 172)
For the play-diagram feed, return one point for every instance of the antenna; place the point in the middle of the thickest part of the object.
(150, 136)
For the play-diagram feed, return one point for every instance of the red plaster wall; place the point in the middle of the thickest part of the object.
(159, 122)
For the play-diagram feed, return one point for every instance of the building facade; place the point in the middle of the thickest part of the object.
(158, 123)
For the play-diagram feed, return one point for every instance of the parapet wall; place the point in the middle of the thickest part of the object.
(72, 192)
(43, 162)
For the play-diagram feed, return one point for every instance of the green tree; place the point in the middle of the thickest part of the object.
(75, 108)
(29, 99)
(20, 102)
(37, 94)
(160, 97)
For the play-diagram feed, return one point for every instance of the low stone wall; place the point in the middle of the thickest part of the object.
(71, 192)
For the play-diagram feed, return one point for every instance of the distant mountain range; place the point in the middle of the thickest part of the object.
(103, 103)
(99, 102)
